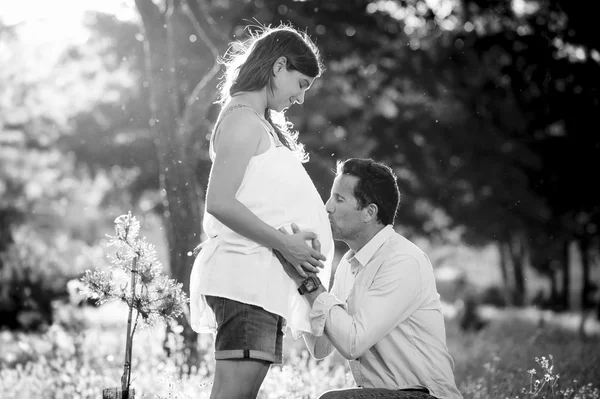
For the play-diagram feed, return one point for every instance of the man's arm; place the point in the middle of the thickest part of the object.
(317, 342)
(391, 298)
(319, 346)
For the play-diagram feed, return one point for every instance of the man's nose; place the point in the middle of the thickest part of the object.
(329, 206)
(300, 98)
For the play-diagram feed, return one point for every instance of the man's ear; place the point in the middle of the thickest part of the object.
(370, 213)
(279, 65)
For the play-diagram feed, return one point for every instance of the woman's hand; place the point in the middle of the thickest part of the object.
(302, 257)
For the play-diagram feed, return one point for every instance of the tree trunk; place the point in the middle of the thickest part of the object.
(502, 249)
(554, 294)
(566, 278)
(179, 196)
(586, 286)
(503, 266)
(172, 127)
(517, 253)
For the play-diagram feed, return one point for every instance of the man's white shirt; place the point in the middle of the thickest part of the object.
(384, 315)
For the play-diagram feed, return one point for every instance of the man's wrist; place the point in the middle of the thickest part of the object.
(298, 281)
(309, 284)
(312, 296)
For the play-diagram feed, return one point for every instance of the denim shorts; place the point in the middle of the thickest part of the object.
(246, 331)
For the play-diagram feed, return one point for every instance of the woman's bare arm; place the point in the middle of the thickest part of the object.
(237, 142)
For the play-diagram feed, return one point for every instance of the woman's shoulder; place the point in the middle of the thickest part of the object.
(235, 110)
(233, 106)
(236, 115)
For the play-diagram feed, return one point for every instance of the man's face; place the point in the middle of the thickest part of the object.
(345, 217)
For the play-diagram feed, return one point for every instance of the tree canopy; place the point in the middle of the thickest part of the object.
(484, 109)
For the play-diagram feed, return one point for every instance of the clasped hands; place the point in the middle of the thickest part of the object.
(299, 270)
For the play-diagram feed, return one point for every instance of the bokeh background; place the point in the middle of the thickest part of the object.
(485, 109)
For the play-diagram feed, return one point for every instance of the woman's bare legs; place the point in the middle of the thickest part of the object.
(238, 379)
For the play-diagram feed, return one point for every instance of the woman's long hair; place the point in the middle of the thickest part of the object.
(249, 67)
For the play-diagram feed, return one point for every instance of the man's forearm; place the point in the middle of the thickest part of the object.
(298, 280)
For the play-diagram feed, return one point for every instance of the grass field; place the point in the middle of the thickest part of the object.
(84, 354)
(492, 363)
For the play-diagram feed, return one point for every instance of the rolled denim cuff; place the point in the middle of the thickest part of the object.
(320, 309)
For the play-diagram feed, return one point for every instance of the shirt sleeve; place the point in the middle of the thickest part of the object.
(318, 343)
(320, 309)
(391, 298)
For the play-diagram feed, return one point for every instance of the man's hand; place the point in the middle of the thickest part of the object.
(297, 274)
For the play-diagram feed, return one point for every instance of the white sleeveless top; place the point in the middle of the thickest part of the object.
(277, 189)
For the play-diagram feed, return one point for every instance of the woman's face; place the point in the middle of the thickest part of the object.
(289, 87)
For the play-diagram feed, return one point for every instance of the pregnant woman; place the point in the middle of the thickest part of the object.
(258, 185)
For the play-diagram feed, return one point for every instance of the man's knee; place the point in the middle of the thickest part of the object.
(330, 395)
(339, 394)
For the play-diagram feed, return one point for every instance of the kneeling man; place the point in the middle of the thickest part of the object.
(383, 313)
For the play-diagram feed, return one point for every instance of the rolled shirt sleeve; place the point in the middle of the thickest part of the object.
(318, 343)
(320, 309)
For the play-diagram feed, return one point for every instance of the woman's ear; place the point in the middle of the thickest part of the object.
(279, 65)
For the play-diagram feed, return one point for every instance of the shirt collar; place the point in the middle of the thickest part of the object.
(364, 255)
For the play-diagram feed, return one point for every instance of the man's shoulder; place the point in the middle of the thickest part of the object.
(400, 249)
(397, 243)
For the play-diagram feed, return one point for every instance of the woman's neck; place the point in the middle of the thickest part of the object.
(255, 99)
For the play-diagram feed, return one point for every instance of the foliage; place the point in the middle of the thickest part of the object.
(471, 104)
(51, 209)
(154, 295)
(146, 289)
(31, 277)
(34, 274)
(50, 219)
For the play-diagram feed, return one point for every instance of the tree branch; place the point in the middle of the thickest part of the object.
(197, 12)
(172, 8)
(149, 11)
(200, 12)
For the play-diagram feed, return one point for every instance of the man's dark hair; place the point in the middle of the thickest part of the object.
(376, 185)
